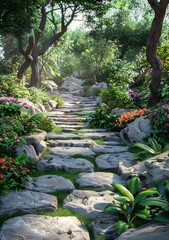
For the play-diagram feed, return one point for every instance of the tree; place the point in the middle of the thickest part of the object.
(159, 8)
(59, 13)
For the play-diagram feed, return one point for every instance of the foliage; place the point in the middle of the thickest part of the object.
(101, 118)
(134, 204)
(153, 147)
(10, 109)
(116, 96)
(128, 117)
(13, 173)
(7, 83)
(9, 139)
(130, 204)
(159, 120)
(43, 122)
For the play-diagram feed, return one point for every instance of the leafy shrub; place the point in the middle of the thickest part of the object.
(152, 148)
(159, 120)
(134, 204)
(58, 99)
(13, 173)
(9, 139)
(39, 96)
(116, 96)
(43, 122)
(101, 118)
(10, 109)
(13, 124)
(129, 117)
(7, 82)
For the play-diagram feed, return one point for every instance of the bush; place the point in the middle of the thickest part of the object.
(101, 118)
(159, 121)
(129, 117)
(116, 96)
(43, 122)
(13, 173)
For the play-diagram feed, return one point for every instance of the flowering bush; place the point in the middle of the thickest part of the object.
(9, 139)
(13, 173)
(129, 117)
(159, 120)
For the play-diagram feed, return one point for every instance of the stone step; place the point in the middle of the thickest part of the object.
(74, 110)
(68, 119)
(109, 149)
(43, 227)
(71, 126)
(90, 204)
(98, 180)
(26, 202)
(112, 160)
(68, 123)
(49, 184)
(107, 136)
(70, 143)
(65, 163)
(71, 151)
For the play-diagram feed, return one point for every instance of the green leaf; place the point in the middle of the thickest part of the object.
(155, 202)
(163, 190)
(166, 148)
(121, 227)
(162, 217)
(155, 145)
(124, 191)
(122, 199)
(144, 194)
(144, 214)
(114, 208)
(144, 147)
(134, 185)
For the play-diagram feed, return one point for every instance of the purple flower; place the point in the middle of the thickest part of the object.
(23, 103)
(134, 94)
(7, 99)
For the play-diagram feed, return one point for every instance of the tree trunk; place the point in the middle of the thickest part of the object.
(35, 75)
(152, 44)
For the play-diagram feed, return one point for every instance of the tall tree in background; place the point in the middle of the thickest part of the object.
(159, 8)
(28, 16)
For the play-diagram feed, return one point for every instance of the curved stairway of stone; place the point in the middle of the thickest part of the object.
(74, 150)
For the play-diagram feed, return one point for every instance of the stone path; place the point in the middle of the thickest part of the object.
(73, 150)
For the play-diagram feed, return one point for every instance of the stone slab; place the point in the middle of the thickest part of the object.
(70, 143)
(26, 202)
(67, 164)
(33, 227)
(109, 149)
(98, 180)
(71, 151)
(53, 135)
(149, 171)
(49, 184)
(90, 204)
(111, 161)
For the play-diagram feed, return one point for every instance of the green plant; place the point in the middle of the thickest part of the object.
(159, 120)
(116, 96)
(9, 139)
(101, 117)
(130, 204)
(13, 173)
(128, 117)
(10, 109)
(11, 124)
(43, 122)
(153, 147)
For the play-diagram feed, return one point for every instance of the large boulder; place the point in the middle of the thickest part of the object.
(136, 131)
(43, 227)
(50, 85)
(73, 85)
(149, 171)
